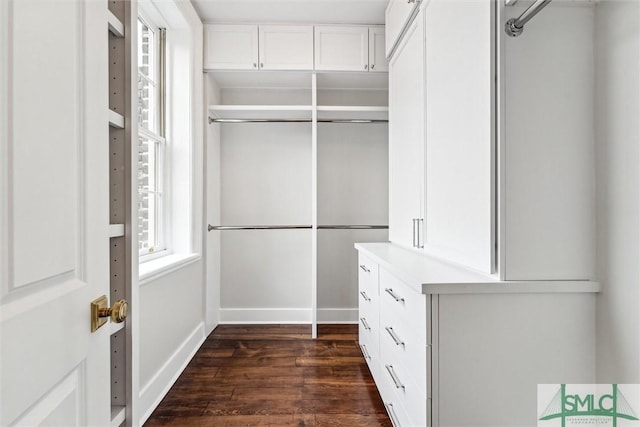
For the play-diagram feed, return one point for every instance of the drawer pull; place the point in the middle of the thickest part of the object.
(395, 297)
(364, 295)
(365, 269)
(365, 353)
(395, 338)
(392, 414)
(394, 377)
(365, 324)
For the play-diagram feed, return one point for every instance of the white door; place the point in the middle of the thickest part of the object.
(230, 47)
(341, 48)
(54, 243)
(377, 57)
(407, 137)
(286, 47)
(460, 116)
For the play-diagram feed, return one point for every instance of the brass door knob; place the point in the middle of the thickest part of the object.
(100, 311)
(118, 312)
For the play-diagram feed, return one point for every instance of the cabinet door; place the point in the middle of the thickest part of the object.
(230, 47)
(397, 14)
(406, 136)
(286, 47)
(460, 134)
(344, 48)
(377, 56)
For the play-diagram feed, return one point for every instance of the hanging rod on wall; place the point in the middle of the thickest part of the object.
(215, 120)
(257, 227)
(353, 227)
(515, 26)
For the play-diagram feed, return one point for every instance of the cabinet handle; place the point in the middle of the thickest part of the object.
(373, 66)
(419, 222)
(392, 414)
(395, 297)
(394, 337)
(262, 65)
(365, 269)
(413, 232)
(394, 377)
(411, 1)
(364, 295)
(255, 65)
(365, 353)
(365, 324)
(366, 67)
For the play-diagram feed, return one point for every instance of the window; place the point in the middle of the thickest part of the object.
(151, 140)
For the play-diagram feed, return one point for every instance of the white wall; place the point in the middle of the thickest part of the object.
(171, 308)
(618, 172)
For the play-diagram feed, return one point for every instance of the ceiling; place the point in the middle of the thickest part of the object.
(295, 11)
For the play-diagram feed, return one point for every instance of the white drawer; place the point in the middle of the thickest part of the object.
(367, 274)
(391, 400)
(404, 305)
(412, 396)
(404, 346)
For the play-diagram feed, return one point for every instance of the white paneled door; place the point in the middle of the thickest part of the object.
(54, 243)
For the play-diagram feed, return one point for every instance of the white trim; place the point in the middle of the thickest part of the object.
(337, 315)
(244, 316)
(152, 393)
(153, 270)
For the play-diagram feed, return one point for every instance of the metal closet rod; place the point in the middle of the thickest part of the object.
(296, 227)
(215, 120)
(515, 26)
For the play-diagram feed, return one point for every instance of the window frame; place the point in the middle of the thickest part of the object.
(157, 79)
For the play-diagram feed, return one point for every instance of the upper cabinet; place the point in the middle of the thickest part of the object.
(286, 47)
(397, 17)
(377, 55)
(350, 48)
(231, 47)
(253, 47)
(342, 48)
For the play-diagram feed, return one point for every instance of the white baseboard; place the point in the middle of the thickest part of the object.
(264, 315)
(152, 393)
(337, 315)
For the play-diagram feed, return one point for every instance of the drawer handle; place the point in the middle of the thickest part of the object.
(395, 297)
(392, 414)
(394, 377)
(365, 353)
(365, 269)
(365, 324)
(395, 338)
(364, 295)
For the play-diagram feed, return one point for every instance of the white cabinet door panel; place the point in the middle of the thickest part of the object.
(406, 135)
(286, 47)
(377, 57)
(230, 47)
(341, 48)
(460, 135)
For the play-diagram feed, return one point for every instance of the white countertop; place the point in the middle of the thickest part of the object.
(430, 275)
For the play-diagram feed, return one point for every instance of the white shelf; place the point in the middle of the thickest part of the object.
(116, 327)
(262, 79)
(118, 414)
(116, 120)
(353, 112)
(116, 230)
(116, 27)
(267, 112)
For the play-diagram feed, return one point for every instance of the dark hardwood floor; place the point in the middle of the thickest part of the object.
(275, 375)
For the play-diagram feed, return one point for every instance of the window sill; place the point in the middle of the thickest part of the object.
(151, 270)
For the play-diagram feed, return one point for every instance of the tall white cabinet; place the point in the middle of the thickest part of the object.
(491, 215)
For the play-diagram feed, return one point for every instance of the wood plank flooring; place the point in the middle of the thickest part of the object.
(275, 375)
